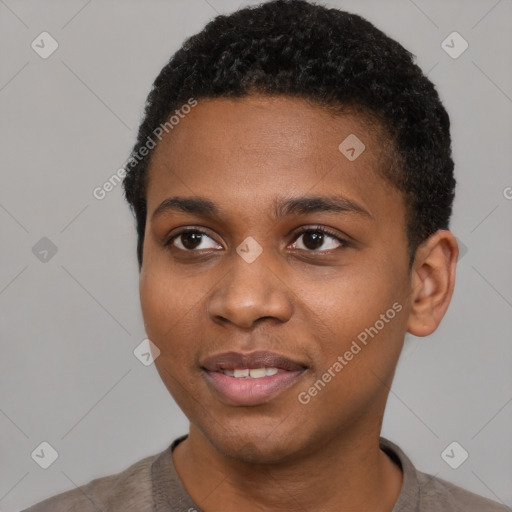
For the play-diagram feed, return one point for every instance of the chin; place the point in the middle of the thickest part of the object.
(255, 445)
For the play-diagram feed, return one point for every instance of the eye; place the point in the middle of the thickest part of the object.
(192, 239)
(189, 239)
(316, 237)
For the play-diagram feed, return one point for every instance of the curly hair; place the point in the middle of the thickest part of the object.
(330, 58)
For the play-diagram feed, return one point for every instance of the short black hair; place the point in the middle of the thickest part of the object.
(330, 58)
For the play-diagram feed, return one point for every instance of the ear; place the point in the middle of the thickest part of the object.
(432, 282)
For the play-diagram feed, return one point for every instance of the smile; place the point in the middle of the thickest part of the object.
(246, 389)
(254, 373)
(251, 378)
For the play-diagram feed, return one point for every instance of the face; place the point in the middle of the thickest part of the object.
(245, 278)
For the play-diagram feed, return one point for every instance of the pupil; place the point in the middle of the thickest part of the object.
(316, 237)
(312, 239)
(195, 237)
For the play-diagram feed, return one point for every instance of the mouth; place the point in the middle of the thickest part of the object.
(252, 378)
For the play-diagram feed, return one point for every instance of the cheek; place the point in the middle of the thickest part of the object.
(352, 299)
(366, 308)
(160, 304)
(170, 310)
(168, 321)
(153, 301)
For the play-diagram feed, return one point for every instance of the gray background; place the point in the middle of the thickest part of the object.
(69, 325)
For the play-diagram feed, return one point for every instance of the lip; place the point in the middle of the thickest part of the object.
(246, 391)
(251, 360)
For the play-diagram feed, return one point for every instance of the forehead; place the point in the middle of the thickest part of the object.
(254, 148)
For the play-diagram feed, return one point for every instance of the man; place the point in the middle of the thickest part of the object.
(292, 184)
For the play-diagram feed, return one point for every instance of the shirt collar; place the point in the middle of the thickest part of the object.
(409, 497)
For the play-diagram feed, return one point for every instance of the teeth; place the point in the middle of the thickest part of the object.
(254, 373)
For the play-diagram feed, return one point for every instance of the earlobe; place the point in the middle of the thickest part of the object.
(432, 282)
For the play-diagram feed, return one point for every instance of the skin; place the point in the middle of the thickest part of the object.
(283, 455)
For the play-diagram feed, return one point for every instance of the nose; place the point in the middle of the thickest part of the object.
(250, 292)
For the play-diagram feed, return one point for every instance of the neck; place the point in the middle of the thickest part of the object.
(350, 472)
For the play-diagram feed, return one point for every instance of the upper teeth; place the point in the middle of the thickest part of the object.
(253, 373)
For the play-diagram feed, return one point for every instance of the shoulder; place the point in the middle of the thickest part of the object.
(129, 490)
(423, 492)
(440, 495)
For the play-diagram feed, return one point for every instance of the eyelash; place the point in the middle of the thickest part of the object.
(314, 229)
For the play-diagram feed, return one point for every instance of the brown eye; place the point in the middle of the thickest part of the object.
(315, 238)
(189, 240)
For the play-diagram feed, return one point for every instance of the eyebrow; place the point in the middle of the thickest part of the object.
(282, 208)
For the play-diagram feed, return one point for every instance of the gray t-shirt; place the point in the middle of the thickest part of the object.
(152, 485)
